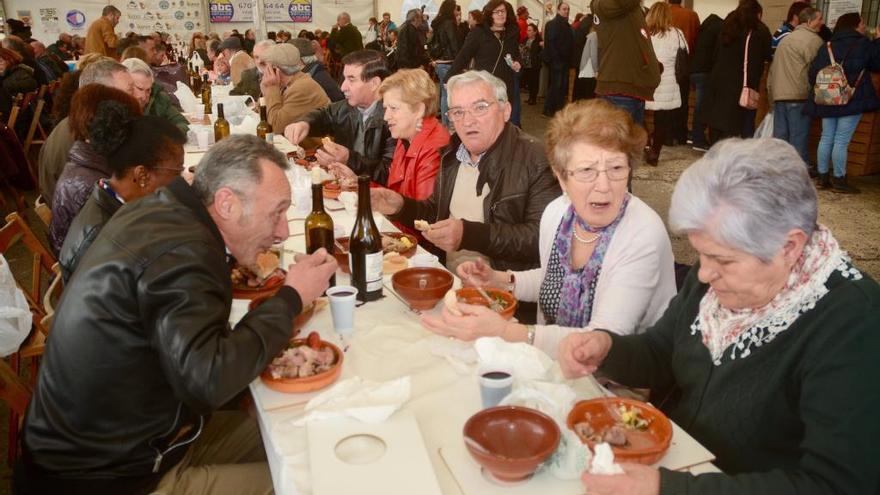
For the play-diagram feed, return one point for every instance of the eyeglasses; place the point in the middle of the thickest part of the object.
(478, 109)
(499, 11)
(590, 174)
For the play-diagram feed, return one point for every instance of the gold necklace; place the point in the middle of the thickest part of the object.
(585, 241)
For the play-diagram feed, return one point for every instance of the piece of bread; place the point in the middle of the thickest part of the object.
(451, 302)
(266, 264)
(422, 225)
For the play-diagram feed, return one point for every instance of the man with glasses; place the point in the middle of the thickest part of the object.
(493, 185)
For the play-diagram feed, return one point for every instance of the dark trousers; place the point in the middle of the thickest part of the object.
(584, 88)
(664, 122)
(515, 101)
(698, 129)
(532, 80)
(557, 89)
(679, 130)
(634, 106)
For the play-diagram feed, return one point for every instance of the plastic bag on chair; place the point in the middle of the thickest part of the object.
(15, 316)
(765, 128)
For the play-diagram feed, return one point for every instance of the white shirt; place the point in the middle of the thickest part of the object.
(636, 282)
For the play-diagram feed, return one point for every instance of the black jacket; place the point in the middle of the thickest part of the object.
(97, 211)
(704, 51)
(410, 52)
(322, 77)
(340, 120)
(449, 38)
(558, 42)
(142, 350)
(521, 185)
(488, 52)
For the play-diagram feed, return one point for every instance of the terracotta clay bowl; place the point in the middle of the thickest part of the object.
(421, 288)
(470, 295)
(301, 319)
(309, 383)
(341, 255)
(268, 288)
(510, 442)
(644, 447)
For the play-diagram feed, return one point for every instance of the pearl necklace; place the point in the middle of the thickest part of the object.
(581, 239)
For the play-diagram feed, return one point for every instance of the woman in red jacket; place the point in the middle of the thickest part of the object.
(410, 99)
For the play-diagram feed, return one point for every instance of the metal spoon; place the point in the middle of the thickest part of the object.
(493, 304)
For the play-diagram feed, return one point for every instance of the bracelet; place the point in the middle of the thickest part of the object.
(530, 334)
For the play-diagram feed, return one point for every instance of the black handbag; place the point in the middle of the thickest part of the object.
(682, 61)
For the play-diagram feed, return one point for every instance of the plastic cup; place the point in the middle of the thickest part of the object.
(423, 260)
(203, 137)
(199, 113)
(495, 385)
(342, 301)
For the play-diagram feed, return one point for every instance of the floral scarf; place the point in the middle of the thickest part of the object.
(722, 328)
(574, 304)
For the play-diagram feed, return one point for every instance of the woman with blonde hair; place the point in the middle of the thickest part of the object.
(606, 259)
(667, 40)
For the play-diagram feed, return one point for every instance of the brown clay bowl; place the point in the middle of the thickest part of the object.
(510, 441)
(301, 319)
(421, 288)
(644, 447)
(341, 255)
(309, 383)
(268, 288)
(470, 295)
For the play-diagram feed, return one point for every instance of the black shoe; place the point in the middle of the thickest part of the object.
(839, 185)
(824, 181)
(652, 157)
(813, 171)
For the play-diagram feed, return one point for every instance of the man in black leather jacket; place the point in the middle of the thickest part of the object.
(510, 178)
(142, 350)
(362, 141)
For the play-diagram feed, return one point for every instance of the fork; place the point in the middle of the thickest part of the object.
(493, 304)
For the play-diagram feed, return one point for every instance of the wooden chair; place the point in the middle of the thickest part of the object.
(15, 111)
(16, 393)
(17, 230)
(42, 210)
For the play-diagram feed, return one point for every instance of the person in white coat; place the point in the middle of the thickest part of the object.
(606, 258)
(666, 39)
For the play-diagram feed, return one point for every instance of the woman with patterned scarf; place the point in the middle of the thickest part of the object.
(606, 259)
(768, 356)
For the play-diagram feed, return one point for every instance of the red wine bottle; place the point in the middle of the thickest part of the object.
(365, 248)
(319, 226)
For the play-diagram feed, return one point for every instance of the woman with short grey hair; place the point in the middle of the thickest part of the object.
(768, 355)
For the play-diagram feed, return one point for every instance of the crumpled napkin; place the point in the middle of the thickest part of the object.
(364, 400)
(460, 355)
(188, 100)
(525, 362)
(603, 461)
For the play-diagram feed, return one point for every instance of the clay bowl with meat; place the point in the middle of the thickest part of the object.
(269, 286)
(470, 295)
(511, 442)
(390, 243)
(309, 383)
(421, 288)
(301, 319)
(593, 419)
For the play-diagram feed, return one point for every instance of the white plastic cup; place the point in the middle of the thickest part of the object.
(423, 260)
(342, 301)
(199, 113)
(203, 137)
(495, 385)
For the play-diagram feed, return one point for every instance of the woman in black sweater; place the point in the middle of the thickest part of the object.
(768, 354)
(493, 46)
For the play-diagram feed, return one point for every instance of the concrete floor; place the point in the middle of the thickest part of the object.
(854, 220)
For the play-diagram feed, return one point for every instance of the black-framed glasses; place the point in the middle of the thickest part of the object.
(590, 174)
(478, 109)
(499, 11)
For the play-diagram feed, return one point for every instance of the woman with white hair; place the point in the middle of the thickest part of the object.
(768, 355)
(153, 99)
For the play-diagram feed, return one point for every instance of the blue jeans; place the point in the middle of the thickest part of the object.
(790, 124)
(698, 127)
(515, 101)
(634, 106)
(836, 134)
(441, 70)
(557, 89)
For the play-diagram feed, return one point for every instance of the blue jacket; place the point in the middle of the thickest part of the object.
(855, 52)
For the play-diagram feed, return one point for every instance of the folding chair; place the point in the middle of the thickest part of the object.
(16, 393)
(42, 210)
(15, 230)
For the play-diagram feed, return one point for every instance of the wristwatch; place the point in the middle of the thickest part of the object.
(530, 334)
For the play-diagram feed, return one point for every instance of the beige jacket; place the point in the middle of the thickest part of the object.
(788, 73)
(239, 63)
(101, 38)
(301, 95)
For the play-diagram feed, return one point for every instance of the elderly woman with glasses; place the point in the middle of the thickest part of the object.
(768, 354)
(606, 259)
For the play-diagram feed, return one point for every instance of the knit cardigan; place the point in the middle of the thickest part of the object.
(797, 415)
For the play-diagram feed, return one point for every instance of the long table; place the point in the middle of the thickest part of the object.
(388, 343)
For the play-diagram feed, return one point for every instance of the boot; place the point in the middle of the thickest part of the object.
(813, 171)
(839, 185)
(652, 157)
(825, 181)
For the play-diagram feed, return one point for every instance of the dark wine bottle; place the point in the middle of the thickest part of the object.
(221, 126)
(264, 128)
(206, 94)
(365, 248)
(319, 225)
